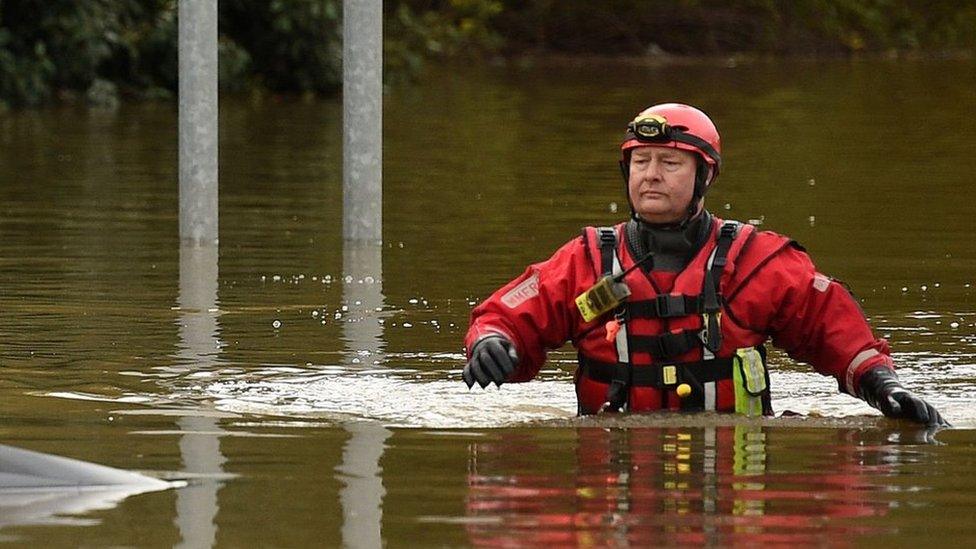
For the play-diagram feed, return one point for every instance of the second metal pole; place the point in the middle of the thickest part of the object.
(362, 120)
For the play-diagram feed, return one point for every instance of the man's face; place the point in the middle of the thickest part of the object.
(662, 182)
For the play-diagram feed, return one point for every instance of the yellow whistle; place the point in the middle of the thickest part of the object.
(683, 390)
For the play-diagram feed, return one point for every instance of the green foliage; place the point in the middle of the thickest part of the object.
(416, 30)
(97, 49)
(292, 45)
(100, 49)
(59, 48)
(722, 26)
(34, 36)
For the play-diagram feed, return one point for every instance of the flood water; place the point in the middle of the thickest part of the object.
(310, 392)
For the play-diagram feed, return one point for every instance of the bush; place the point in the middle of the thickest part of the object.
(723, 26)
(99, 49)
(417, 30)
(291, 46)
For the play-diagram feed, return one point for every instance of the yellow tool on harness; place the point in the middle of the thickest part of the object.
(606, 295)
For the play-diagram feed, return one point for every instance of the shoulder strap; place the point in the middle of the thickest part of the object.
(608, 247)
(726, 235)
(711, 293)
(619, 390)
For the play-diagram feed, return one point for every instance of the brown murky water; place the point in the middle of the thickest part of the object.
(311, 394)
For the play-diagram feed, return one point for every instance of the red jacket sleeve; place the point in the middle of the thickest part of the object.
(812, 317)
(537, 310)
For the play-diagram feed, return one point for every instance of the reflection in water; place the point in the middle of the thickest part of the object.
(38, 488)
(57, 507)
(362, 291)
(196, 505)
(648, 487)
(362, 493)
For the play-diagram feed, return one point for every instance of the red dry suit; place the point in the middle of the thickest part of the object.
(766, 287)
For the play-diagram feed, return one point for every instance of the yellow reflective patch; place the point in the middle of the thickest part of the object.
(670, 375)
(749, 379)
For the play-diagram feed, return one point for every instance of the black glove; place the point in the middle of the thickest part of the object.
(493, 358)
(880, 388)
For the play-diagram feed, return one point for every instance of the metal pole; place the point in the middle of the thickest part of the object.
(198, 121)
(362, 119)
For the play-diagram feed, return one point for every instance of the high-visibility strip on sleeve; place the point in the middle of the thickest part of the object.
(852, 367)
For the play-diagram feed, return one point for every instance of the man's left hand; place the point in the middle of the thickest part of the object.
(880, 388)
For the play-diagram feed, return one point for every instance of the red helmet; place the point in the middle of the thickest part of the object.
(682, 127)
(675, 125)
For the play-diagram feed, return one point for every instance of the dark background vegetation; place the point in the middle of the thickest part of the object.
(100, 50)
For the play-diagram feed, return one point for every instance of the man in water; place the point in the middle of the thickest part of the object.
(670, 310)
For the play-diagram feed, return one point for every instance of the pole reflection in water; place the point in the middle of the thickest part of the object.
(362, 293)
(362, 493)
(653, 486)
(197, 505)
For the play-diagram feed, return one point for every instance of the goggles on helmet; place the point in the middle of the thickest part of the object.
(653, 128)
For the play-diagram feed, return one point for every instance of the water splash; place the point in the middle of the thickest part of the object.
(396, 400)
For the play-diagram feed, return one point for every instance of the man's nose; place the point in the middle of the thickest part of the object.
(653, 171)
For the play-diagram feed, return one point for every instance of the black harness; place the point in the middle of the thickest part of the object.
(665, 375)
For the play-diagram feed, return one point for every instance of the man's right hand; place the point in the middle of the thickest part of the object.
(493, 359)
